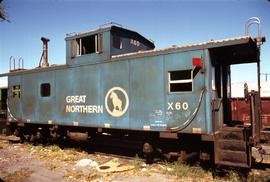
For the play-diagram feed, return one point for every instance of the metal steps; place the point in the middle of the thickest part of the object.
(231, 147)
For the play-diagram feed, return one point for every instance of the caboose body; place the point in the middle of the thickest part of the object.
(115, 81)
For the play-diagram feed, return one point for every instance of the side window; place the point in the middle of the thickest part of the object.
(16, 91)
(86, 45)
(76, 48)
(45, 90)
(180, 81)
(117, 42)
(99, 43)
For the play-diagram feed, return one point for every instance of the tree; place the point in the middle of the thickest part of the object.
(3, 14)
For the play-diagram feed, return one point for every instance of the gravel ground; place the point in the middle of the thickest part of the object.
(28, 163)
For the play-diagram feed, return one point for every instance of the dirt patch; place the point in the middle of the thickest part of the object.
(18, 164)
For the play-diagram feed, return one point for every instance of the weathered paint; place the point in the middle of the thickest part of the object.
(144, 80)
(125, 92)
(208, 94)
(180, 118)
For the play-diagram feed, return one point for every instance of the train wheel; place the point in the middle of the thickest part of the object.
(19, 133)
(148, 152)
(34, 139)
(190, 157)
(26, 138)
(16, 132)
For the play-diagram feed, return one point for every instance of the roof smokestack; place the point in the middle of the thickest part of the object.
(44, 57)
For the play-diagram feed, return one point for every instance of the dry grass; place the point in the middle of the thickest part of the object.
(258, 176)
(55, 153)
(3, 144)
(79, 175)
(137, 162)
(18, 175)
(74, 175)
(182, 170)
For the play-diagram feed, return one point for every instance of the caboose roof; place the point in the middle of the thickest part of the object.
(238, 49)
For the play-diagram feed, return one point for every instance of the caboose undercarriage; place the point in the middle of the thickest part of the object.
(169, 146)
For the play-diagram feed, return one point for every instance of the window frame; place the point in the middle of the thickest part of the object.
(15, 91)
(180, 81)
(77, 45)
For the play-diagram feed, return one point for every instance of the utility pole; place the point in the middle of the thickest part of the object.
(266, 76)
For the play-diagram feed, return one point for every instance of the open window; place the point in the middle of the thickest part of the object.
(45, 90)
(117, 42)
(3, 103)
(87, 45)
(180, 81)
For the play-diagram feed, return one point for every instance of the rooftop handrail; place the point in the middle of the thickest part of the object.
(252, 21)
(11, 58)
(13, 62)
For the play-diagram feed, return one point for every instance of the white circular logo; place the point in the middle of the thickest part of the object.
(116, 101)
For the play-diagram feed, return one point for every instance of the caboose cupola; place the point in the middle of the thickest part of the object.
(100, 44)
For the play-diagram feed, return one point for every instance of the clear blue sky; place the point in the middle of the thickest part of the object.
(165, 22)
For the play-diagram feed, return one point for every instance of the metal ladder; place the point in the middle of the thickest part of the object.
(232, 147)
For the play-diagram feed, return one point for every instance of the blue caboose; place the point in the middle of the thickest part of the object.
(114, 81)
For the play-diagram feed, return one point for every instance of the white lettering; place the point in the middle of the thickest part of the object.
(170, 106)
(135, 42)
(76, 99)
(177, 106)
(185, 106)
(75, 103)
(84, 108)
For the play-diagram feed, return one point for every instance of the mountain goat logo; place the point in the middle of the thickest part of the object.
(116, 101)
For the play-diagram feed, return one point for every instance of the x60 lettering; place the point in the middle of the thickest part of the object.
(177, 106)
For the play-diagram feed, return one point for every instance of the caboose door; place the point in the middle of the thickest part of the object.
(14, 98)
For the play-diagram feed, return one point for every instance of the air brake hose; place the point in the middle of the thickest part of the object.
(190, 119)
(10, 114)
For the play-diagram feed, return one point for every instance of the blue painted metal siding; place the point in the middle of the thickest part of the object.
(29, 97)
(31, 107)
(208, 94)
(178, 116)
(145, 80)
(147, 93)
(83, 80)
(119, 77)
(45, 108)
